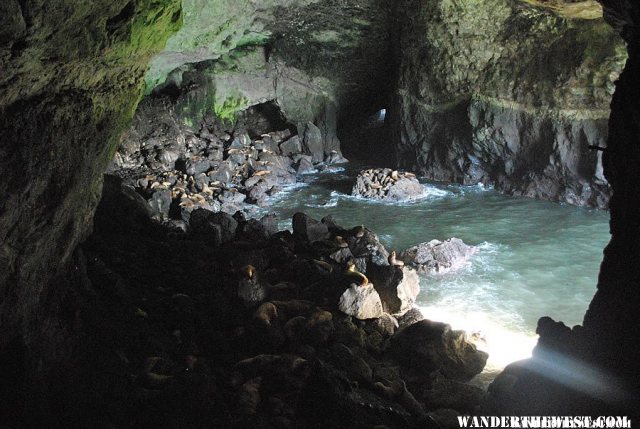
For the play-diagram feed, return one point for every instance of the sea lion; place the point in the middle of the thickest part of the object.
(358, 231)
(341, 241)
(250, 290)
(352, 272)
(393, 261)
(266, 314)
(324, 265)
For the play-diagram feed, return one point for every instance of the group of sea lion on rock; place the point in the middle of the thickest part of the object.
(387, 184)
(245, 328)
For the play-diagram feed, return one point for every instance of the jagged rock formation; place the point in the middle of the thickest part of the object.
(504, 93)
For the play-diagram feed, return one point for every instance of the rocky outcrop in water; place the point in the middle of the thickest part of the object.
(387, 184)
(503, 93)
(437, 257)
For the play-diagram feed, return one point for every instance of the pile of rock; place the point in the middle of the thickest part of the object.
(387, 184)
(258, 327)
(438, 257)
(218, 170)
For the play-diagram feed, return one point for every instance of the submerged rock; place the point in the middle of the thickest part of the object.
(387, 184)
(438, 256)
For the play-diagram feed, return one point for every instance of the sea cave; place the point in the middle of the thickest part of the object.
(318, 213)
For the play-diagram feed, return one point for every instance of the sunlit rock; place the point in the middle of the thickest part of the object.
(438, 257)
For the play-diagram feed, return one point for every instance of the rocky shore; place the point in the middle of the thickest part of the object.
(220, 165)
(236, 323)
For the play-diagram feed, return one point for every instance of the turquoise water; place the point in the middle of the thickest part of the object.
(534, 258)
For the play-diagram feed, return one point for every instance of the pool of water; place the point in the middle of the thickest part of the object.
(535, 258)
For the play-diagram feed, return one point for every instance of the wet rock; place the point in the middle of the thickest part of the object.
(366, 247)
(304, 166)
(361, 302)
(438, 256)
(428, 346)
(217, 228)
(387, 184)
(398, 287)
(335, 157)
(312, 143)
(308, 230)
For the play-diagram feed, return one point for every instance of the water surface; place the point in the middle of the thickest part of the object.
(535, 258)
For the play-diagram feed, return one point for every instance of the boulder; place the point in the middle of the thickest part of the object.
(361, 302)
(428, 346)
(304, 166)
(368, 248)
(308, 230)
(335, 157)
(387, 325)
(398, 287)
(195, 166)
(438, 256)
(217, 228)
(291, 147)
(387, 184)
(312, 143)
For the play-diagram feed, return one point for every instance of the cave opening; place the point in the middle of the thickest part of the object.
(238, 271)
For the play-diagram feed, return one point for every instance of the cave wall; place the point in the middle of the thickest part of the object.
(72, 74)
(611, 319)
(593, 369)
(503, 93)
(315, 59)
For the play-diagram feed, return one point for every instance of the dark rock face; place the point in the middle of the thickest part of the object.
(71, 76)
(432, 346)
(593, 369)
(503, 94)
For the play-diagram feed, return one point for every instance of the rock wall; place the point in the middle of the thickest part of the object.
(500, 92)
(72, 73)
(313, 58)
(601, 356)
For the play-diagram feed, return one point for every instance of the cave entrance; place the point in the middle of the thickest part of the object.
(366, 137)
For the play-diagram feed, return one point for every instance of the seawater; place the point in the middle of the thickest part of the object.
(534, 258)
